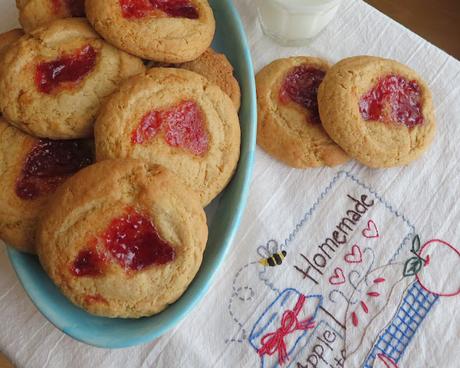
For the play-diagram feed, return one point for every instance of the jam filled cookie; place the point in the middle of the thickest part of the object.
(30, 171)
(175, 118)
(7, 38)
(35, 13)
(289, 127)
(378, 110)
(123, 238)
(218, 70)
(171, 31)
(54, 79)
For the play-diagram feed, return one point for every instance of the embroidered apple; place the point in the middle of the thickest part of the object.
(439, 272)
(435, 265)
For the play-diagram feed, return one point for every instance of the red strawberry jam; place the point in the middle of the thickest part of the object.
(393, 99)
(65, 71)
(76, 8)
(181, 125)
(88, 263)
(301, 86)
(172, 8)
(49, 163)
(135, 243)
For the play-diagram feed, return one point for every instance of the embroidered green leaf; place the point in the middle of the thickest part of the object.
(413, 266)
(416, 244)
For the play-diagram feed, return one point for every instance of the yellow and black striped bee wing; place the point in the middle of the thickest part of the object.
(275, 260)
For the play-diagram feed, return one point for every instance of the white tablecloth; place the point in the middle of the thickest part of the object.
(299, 211)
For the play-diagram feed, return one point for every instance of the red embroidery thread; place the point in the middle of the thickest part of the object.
(355, 256)
(389, 363)
(274, 341)
(354, 319)
(371, 231)
(338, 278)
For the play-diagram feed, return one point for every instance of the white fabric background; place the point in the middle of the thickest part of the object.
(426, 192)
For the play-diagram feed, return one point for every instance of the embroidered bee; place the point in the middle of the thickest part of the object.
(271, 255)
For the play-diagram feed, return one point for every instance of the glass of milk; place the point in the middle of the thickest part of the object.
(294, 22)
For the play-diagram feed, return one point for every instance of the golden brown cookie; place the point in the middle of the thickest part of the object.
(166, 31)
(123, 238)
(216, 67)
(54, 80)
(378, 110)
(175, 118)
(289, 127)
(35, 13)
(30, 171)
(7, 38)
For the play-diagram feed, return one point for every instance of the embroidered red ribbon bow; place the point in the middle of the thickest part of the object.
(274, 341)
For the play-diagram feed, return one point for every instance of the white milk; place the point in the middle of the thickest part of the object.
(292, 22)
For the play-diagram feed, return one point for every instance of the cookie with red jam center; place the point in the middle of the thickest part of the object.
(175, 118)
(378, 110)
(31, 170)
(137, 9)
(171, 31)
(54, 79)
(218, 70)
(289, 125)
(123, 238)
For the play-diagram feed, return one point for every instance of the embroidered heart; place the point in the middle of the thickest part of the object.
(371, 231)
(338, 278)
(355, 256)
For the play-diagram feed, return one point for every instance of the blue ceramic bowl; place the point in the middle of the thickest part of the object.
(223, 224)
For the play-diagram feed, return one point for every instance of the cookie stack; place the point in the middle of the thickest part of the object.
(371, 109)
(106, 163)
